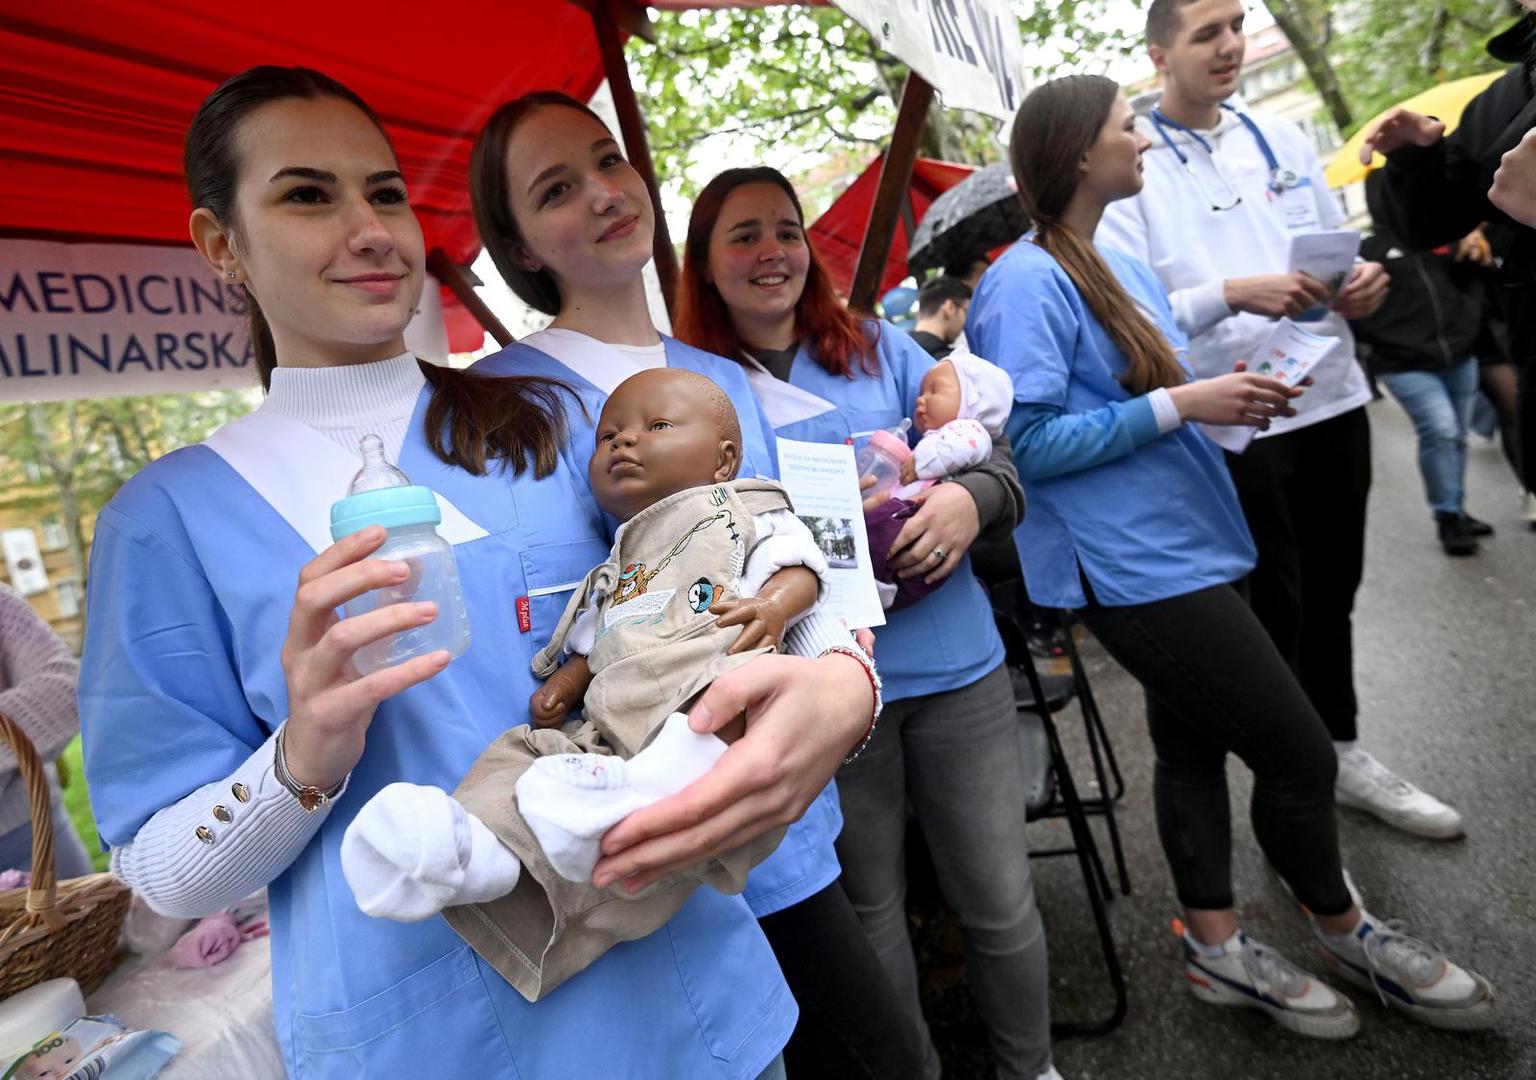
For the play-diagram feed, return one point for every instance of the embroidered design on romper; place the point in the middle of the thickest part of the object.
(635, 578)
(632, 582)
(702, 595)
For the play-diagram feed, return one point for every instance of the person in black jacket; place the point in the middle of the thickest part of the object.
(1436, 190)
(941, 307)
(1423, 343)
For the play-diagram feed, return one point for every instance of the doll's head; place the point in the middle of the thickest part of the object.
(938, 399)
(964, 387)
(662, 431)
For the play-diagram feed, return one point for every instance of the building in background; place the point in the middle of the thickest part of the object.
(1274, 80)
(36, 557)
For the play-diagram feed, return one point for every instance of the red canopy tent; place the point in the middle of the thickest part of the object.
(839, 233)
(95, 96)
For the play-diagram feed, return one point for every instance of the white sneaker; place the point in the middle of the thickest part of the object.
(1409, 975)
(1050, 1074)
(1366, 784)
(1528, 507)
(1254, 976)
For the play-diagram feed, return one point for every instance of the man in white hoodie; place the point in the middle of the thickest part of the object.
(1225, 190)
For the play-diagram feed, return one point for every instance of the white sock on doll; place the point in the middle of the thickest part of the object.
(570, 800)
(412, 851)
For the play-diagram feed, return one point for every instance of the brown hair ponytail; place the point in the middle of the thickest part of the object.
(474, 421)
(1055, 126)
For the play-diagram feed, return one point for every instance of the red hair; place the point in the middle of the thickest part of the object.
(835, 335)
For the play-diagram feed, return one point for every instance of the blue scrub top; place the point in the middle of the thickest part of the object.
(191, 587)
(805, 862)
(947, 639)
(1162, 521)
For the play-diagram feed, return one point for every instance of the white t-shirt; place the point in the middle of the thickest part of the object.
(1172, 227)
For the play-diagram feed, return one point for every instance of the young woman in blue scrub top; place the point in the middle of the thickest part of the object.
(569, 224)
(1133, 519)
(948, 739)
(228, 740)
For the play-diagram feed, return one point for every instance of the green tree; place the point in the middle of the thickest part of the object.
(86, 450)
(1309, 26)
(812, 81)
(1386, 51)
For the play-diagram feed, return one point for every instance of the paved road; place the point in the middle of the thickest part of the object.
(1446, 661)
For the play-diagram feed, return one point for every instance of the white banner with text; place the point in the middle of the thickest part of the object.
(110, 320)
(115, 320)
(968, 50)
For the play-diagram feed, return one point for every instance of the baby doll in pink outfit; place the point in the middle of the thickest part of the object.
(964, 401)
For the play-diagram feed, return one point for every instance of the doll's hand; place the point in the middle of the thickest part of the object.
(909, 471)
(761, 620)
(562, 691)
(545, 709)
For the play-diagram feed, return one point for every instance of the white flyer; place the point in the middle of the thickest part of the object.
(1327, 255)
(824, 486)
(1286, 356)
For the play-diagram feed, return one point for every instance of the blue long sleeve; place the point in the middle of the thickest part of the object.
(1048, 441)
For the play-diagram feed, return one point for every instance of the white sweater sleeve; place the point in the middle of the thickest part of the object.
(180, 874)
(819, 631)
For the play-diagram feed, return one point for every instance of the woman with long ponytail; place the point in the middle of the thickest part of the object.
(1134, 522)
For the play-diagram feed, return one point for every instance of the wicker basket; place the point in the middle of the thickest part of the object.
(55, 929)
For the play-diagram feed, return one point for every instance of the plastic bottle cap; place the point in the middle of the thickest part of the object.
(390, 507)
(890, 445)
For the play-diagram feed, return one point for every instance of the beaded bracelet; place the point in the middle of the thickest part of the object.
(868, 664)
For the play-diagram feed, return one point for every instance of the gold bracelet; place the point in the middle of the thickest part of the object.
(310, 797)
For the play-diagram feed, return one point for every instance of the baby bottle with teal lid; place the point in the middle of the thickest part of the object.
(381, 494)
(883, 456)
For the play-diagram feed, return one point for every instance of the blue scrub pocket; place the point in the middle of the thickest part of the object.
(551, 572)
(438, 1021)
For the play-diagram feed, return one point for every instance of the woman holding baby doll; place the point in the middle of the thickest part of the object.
(568, 222)
(753, 288)
(220, 761)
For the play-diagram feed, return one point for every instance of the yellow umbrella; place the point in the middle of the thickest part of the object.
(1445, 101)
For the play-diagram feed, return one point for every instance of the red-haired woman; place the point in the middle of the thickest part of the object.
(947, 743)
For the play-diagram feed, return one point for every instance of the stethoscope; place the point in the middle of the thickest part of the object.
(1280, 180)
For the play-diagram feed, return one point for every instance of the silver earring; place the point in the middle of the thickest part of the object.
(231, 275)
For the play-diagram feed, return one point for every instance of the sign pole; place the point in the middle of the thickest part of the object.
(456, 278)
(605, 20)
(895, 177)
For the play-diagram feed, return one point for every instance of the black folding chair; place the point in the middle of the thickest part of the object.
(1052, 792)
(1010, 602)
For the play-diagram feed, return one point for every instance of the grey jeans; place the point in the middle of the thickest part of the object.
(955, 757)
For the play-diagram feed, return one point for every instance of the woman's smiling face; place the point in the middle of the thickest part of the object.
(758, 256)
(324, 234)
(584, 212)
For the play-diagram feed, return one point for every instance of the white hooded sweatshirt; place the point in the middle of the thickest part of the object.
(1194, 249)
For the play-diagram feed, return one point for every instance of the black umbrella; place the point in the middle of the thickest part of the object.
(969, 220)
